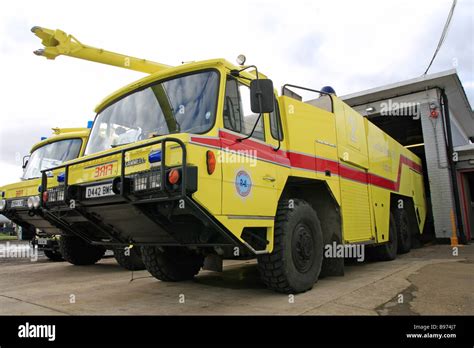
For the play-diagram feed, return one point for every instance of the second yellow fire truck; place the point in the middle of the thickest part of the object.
(20, 203)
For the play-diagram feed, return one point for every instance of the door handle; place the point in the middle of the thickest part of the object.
(269, 178)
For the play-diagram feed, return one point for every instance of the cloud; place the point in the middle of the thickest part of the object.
(9, 173)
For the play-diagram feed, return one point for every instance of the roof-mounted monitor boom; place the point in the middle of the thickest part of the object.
(57, 42)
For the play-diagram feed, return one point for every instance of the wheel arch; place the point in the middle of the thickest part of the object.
(318, 194)
(409, 206)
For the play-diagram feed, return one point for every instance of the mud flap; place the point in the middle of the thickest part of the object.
(332, 267)
(213, 263)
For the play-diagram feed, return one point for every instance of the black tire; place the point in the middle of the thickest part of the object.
(53, 255)
(171, 264)
(28, 232)
(295, 263)
(131, 260)
(77, 251)
(387, 251)
(402, 221)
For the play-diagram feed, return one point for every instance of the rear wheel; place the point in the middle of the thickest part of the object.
(53, 255)
(77, 251)
(130, 259)
(295, 263)
(387, 251)
(171, 264)
(402, 222)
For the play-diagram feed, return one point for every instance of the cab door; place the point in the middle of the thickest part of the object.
(249, 174)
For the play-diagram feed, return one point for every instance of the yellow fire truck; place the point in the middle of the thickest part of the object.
(205, 161)
(16, 199)
(20, 201)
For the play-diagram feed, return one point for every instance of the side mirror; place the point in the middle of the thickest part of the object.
(261, 96)
(25, 161)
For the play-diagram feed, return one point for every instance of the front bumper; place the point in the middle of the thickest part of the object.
(144, 208)
(49, 244)
(18, 212)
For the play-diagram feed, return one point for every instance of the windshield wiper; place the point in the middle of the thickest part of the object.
(117, 145)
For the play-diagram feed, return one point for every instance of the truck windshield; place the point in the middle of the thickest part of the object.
(185, 104)
(51, 155)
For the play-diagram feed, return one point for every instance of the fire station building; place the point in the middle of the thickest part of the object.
(431, 116)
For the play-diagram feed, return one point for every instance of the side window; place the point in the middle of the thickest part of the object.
(275, 123)
(232, 115)
(249, 118)
(238, 116)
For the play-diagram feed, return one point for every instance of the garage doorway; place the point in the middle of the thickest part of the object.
(408, 132)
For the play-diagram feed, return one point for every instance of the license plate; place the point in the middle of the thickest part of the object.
(17, 203)
(99, 191)
(42, 241)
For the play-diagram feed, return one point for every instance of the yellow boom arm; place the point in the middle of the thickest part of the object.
(57, 42)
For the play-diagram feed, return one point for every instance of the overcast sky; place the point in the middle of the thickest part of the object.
(350, 45)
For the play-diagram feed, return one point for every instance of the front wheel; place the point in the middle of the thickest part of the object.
(53, 255)
(171, 264)
(77, 251)
(295, 263)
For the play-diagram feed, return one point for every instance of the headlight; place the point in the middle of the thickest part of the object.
(36, 202)
(30, 202)
(146, 181)
(3, 204)
(56, 194)
(33, 202)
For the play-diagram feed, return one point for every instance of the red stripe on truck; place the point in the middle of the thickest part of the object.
(298, 160)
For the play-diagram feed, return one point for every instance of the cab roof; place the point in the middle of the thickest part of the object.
(63, 134)
(172, 71)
